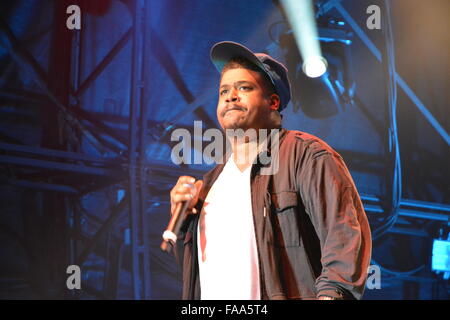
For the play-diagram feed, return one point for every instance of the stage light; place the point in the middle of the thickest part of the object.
(300, 14)
(315, 66)
(440, 260)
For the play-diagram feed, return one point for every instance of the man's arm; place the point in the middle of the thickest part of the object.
(333, 204)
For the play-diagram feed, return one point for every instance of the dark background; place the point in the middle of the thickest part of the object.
(86, 117)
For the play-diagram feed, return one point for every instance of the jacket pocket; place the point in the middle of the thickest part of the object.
(285, 220)
(284, 200)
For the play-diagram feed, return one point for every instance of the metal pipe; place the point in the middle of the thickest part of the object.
(53, 165)
(135, 102)
(90, 246)
(25, 59)
(104, 63)
(365, 39)
(144, 105)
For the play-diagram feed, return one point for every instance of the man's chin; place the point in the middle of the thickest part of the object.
(233, 126)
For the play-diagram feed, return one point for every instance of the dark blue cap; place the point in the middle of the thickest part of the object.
(223, 52)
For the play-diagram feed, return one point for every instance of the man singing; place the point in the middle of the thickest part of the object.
(298, 233)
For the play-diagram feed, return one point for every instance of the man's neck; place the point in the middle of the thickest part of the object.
(246, 149)
(244, 153)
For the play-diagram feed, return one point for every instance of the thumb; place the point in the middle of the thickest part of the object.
(198, 186)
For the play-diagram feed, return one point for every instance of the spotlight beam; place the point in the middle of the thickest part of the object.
(300, 14)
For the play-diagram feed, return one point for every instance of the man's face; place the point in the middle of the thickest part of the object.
(244, 100)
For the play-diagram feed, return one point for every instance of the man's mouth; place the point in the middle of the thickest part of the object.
(234, 108)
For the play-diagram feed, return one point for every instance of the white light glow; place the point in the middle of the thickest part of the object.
(315, 66)
(300, 14)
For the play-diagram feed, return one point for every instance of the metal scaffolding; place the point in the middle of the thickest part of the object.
(59, 170)
(80, 171)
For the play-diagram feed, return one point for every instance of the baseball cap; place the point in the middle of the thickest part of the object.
(222, 52)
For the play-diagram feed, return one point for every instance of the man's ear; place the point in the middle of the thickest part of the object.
(274, 100)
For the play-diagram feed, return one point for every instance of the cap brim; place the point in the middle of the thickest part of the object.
(224, 51)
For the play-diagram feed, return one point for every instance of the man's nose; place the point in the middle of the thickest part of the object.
(232, 96)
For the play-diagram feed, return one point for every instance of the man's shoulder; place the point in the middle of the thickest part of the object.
(308, 143)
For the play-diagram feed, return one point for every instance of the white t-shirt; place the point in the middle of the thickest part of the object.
(227, 252)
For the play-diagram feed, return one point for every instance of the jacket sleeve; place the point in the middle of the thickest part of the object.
(335, 209)
(184, 235)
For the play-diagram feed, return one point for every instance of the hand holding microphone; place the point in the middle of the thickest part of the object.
(183, 198)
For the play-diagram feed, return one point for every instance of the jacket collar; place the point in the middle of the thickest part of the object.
(210, 177)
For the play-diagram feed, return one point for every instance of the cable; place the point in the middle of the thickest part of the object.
(398, 273)
(394, 148)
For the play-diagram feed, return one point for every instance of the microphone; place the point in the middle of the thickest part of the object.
(173, 228)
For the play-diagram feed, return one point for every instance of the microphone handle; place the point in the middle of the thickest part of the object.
(173, 228)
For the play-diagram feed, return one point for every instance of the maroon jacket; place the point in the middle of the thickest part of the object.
(315, 238)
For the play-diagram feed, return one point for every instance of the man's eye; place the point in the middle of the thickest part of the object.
(245, 88)
(223, 92)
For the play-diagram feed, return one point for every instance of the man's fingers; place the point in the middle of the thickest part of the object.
(179, 197)
(186, 189)
(186, 179)
(183, 191)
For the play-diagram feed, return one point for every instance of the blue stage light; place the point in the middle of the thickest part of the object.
(440, 260)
